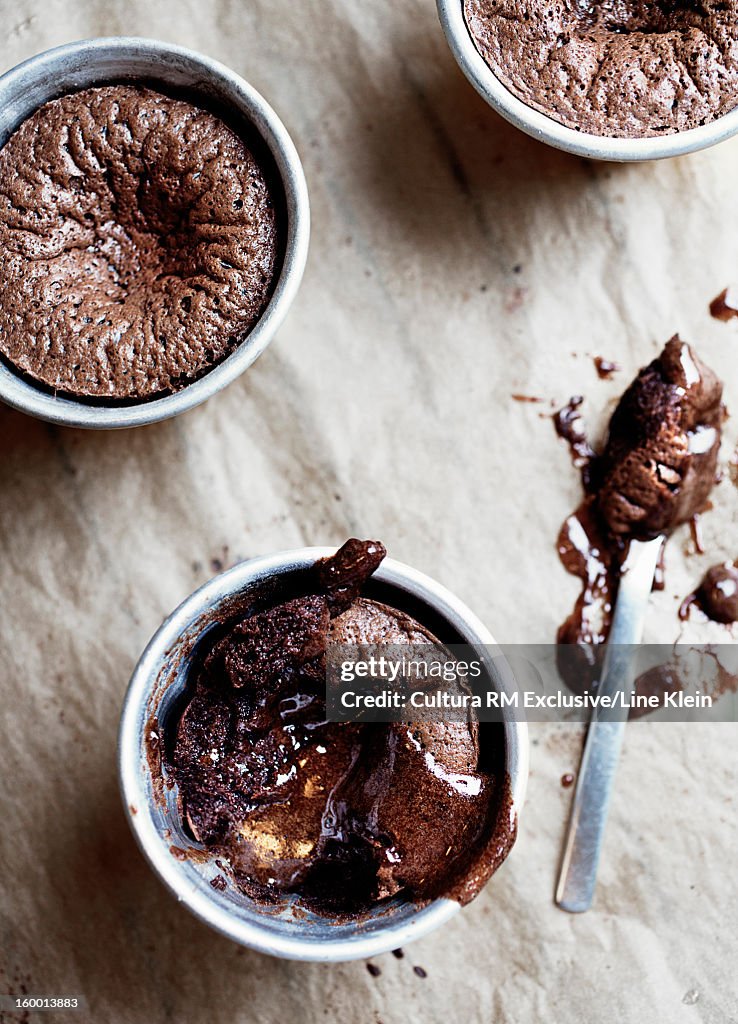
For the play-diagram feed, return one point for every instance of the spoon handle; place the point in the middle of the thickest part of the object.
(591, 800)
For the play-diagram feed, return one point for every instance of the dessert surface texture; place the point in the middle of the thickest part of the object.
(138, 239)
(627, 68)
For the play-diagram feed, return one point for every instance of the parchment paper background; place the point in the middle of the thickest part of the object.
(383, 408)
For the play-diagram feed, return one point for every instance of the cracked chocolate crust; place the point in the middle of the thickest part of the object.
(138, 239)
(619, 68)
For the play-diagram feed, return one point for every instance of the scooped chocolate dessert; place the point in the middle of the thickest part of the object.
(618, 68)
(656, 472)
(138, 239)
(341, 815)
(717, 595)
(660, 461)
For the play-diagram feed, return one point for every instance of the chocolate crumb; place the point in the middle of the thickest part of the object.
(605, 368)
(567, 780)
(374, 970)
(343, 575)
(725, 305)
(716, 596)
(420, 971)
(569, 426)
(219, 562)
(398, 954)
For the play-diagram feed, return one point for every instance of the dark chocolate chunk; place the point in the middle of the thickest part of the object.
(343, 575)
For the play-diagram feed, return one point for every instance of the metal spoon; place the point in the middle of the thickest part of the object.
(591, 801)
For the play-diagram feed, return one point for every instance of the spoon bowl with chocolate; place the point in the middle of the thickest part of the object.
(620, 80)
(154, 225)
(291, 832)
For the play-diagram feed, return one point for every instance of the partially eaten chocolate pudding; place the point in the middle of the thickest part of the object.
(139, 240)
(656, 472)
(618, 68)
(340, 815)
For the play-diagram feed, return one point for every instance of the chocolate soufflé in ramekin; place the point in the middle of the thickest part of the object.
(624, 81)
(153, 231)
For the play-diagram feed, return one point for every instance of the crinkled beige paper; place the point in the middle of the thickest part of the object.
(454, 262)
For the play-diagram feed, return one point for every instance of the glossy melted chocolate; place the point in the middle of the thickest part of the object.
(656, 472)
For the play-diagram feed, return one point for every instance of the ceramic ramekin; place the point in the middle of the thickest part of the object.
(119, 59)
(156, 689)
(546, 129)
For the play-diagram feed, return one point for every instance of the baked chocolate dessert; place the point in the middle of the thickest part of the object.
(138, 239)
(660, 461)
(340, 814)
(656, 472)
(618, 68)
